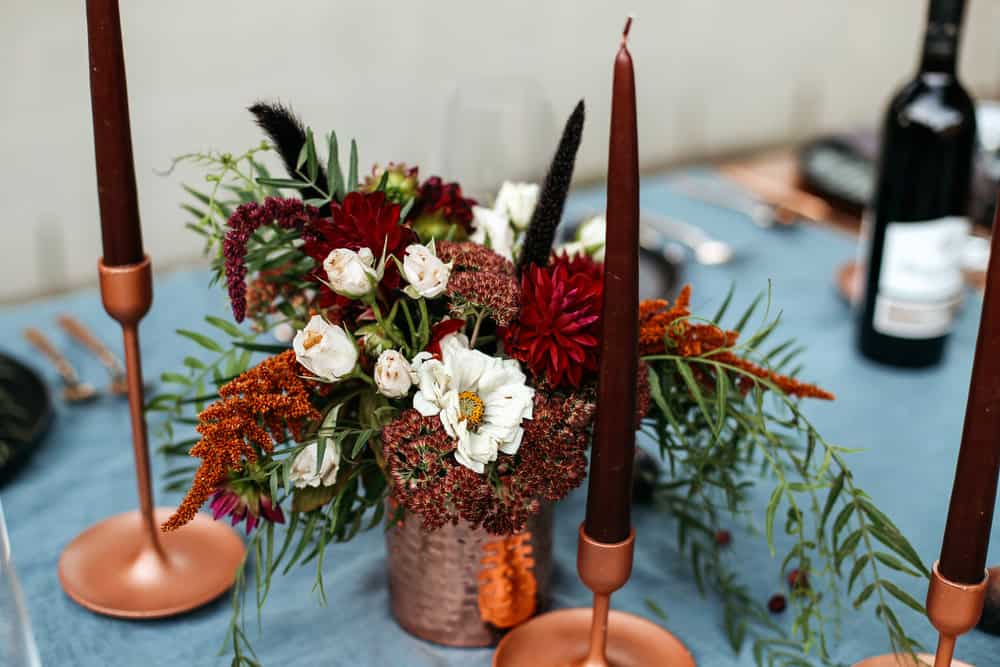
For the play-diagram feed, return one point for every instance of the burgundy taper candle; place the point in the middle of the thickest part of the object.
(116, 189)
(609, 497)
(973, 495)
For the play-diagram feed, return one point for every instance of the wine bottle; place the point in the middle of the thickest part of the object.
(914, 233)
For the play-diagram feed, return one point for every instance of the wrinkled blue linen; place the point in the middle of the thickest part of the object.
(908, 422)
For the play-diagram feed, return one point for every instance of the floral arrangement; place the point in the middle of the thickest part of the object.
(443, 355)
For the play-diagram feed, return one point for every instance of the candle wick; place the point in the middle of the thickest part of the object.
(628, 26)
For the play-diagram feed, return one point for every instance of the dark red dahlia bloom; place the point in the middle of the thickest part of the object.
(445, 201)
(362, 220)
(556, 332)
(245, 220)
(579, 263)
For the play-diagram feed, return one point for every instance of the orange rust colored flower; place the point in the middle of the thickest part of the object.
(507, 585)
(661, 327)
(252, 414)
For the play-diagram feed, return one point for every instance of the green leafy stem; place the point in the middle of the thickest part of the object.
(715, 437)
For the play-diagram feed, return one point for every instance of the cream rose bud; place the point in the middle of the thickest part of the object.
(304, 471)
(326, 350)
(393, 375)
(351, 274)
(517, 202)
(427, 275)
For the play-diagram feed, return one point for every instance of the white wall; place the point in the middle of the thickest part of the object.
(713, 75)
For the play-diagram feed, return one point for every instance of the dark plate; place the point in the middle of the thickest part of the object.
(25, 414)
(659, 269)
(659, 275)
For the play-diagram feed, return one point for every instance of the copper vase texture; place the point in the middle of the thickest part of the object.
(461, 586)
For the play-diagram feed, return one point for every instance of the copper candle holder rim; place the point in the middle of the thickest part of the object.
(945, 581)
(954, 608)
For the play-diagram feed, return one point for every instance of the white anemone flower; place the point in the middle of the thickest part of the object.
(481, 400)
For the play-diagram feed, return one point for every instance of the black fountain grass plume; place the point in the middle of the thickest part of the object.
(288, 134)
(542, 228)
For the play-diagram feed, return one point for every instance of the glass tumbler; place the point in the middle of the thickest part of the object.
(17, 644)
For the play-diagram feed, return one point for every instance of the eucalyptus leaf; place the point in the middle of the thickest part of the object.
(335, 177)
(200, 339)
(352, 169)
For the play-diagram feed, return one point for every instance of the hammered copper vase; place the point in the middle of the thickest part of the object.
(435, 578)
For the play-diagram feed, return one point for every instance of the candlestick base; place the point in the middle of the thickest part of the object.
(112, 568)
(562, 639)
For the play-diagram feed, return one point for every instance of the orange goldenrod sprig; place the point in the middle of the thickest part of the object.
(254, 410)
(661, 325)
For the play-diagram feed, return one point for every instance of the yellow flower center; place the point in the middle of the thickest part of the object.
(471, 408)
(312, 339)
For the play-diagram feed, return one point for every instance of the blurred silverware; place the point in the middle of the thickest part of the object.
(728, 195)
(74, 391)
(707, 250)
(79, 331)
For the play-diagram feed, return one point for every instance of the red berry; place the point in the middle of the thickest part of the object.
(723, 538)
(798, 579)
(777, 604)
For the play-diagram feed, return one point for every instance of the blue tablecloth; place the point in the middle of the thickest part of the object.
(908, 421)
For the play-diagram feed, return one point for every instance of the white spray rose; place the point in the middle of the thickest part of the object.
(393, 375)
(589, 239)
(325, 349)
(427, 275)
(516, 202)
(304, 471)
(493, 226)
(351, 274)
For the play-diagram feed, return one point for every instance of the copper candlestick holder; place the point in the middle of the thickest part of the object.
(594, 637)
(123, 566)
(953, 610)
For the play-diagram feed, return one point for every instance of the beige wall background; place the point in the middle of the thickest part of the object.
(713, 76)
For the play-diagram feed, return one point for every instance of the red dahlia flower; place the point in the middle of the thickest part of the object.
(362, 220)
(556, 332)
(579, 263)
(439, 207)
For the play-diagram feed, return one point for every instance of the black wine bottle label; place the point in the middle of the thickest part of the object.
(920, 280)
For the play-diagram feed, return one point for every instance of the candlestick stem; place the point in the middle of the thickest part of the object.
(945, 651)
(140, 443)
(598, 656)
